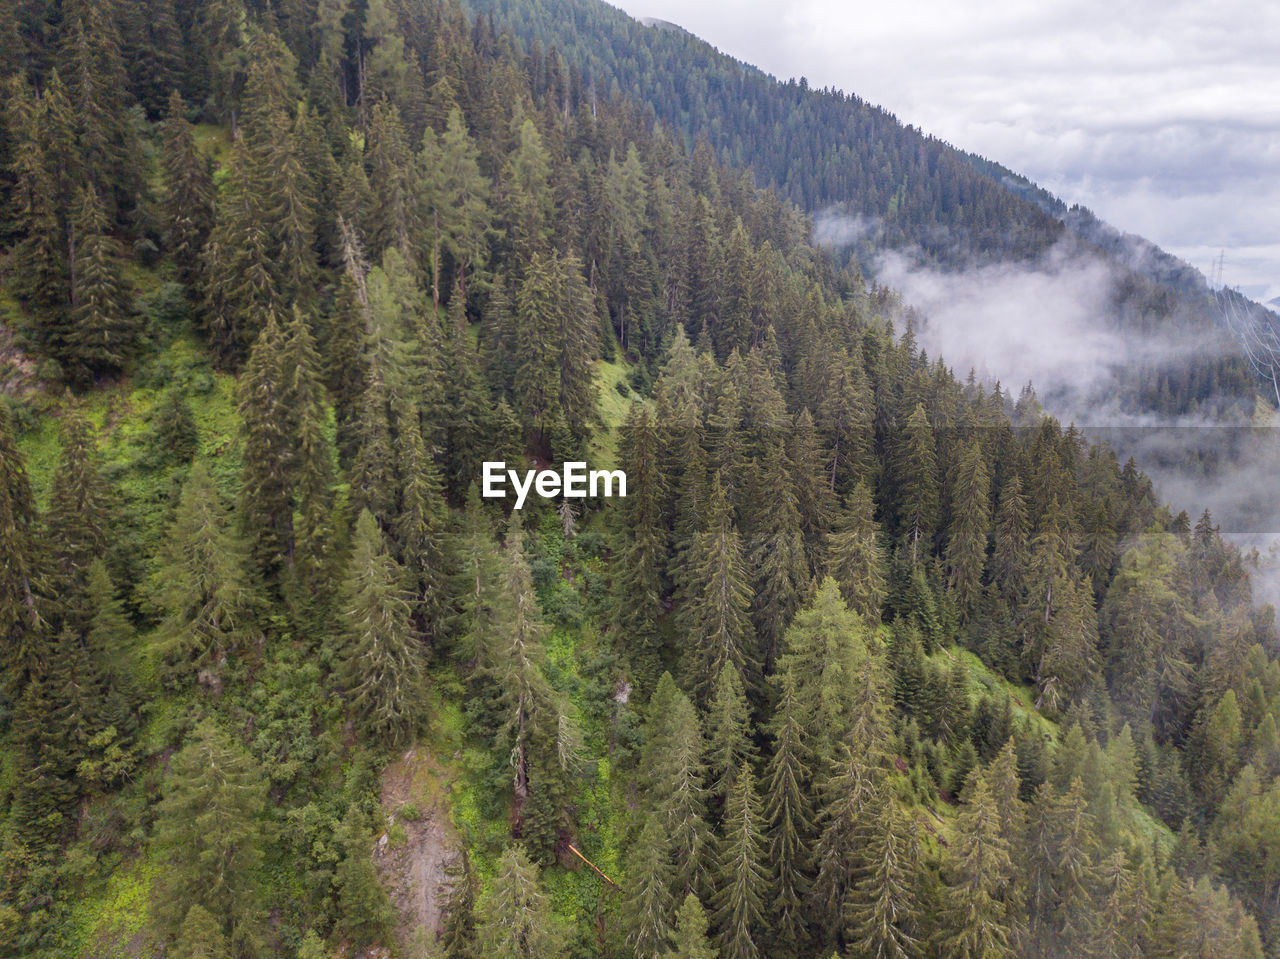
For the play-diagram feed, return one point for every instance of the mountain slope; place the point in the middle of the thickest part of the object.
(830, 152)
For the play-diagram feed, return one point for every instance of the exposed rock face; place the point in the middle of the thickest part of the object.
(419, 843)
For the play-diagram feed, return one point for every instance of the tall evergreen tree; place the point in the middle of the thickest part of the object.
(716, 599)
(188, 194)
(380, 665)
(789, 818)
(210, 833)
(855, 558)
(977, 922)
(741, 878)
(200, 583)
(103, 326)
(966, 551)
(515, 920)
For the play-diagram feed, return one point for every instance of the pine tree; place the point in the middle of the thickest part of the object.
(643, 559)
(649, 901)
(364, 914)
(728, 729)
(188, 194)
(716, 599)
(691, 933)
(740, 878)
(103, 328)
(788, 815)
(200, 584)
(855, 557)
(979, 869)
(210, 834)
(515, 920)
(966, 551)
(882, 914)
(380, 665)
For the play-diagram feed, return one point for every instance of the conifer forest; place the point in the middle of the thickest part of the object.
(874, 659)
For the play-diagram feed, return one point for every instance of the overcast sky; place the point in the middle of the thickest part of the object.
(1162, 116)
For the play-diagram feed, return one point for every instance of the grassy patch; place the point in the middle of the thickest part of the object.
(110, 924)
(613, 408)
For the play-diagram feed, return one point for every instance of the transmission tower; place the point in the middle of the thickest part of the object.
(1258, 330)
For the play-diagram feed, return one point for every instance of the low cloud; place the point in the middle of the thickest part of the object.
(1052, 324)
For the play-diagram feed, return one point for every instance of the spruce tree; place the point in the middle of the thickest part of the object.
(364, 915)
(789, 818)
(649, 902)
(728, 728)
(312, 477)
(740, 878)
(103, 327)
(379, 666)
(855, 558)
(691, 933)
(240, 288)
(979, 869)
(826, 653)
(22, 623)
(210, 834)
(420, 531)
(269, 451)
(779, 568)
(200, 584)
(643, 560)
(915, 470)
(672, 769)
(455, 200)
(514, 917)
(966, 551)
(81, 508)
(882, 914)
(188, 194)
(716, 599)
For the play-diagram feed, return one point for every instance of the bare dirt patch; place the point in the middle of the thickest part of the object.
(418, 843)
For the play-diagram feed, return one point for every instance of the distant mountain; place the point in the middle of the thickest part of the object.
(831, 151)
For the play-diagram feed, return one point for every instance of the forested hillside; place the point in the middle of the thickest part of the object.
(830, 152)
(870, 661)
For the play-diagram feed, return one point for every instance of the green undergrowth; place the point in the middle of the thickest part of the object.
(110, 924)
(613, 406)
